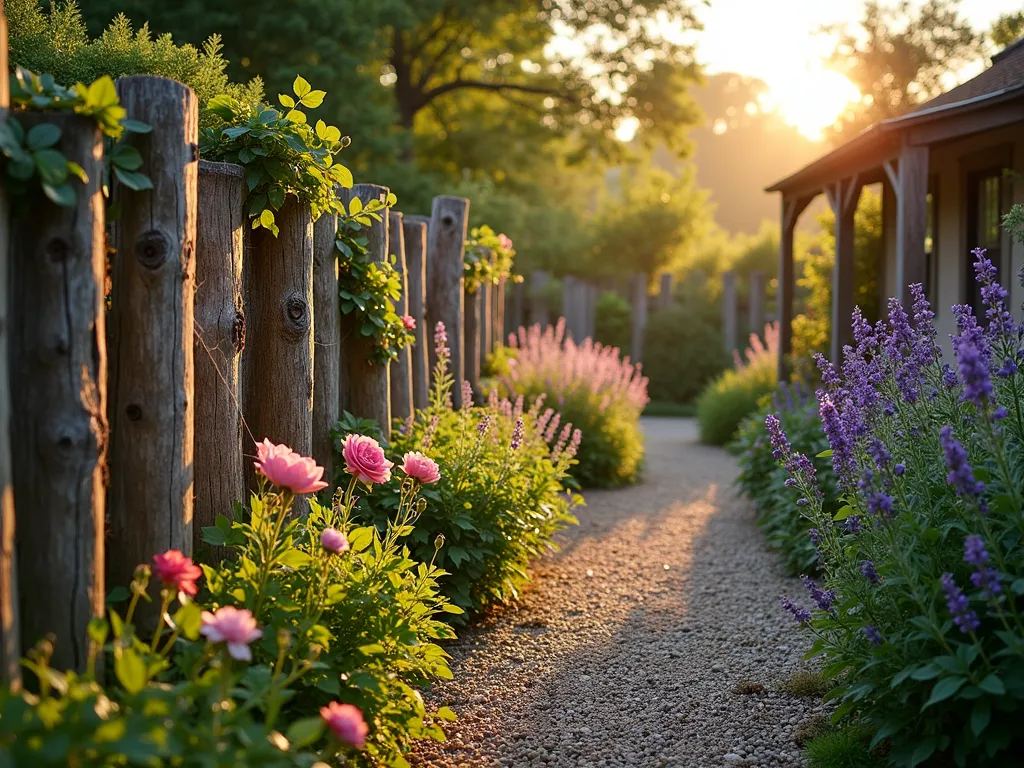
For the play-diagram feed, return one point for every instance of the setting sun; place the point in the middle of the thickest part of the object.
(813, 102)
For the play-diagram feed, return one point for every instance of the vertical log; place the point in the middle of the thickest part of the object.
(414, 229)
(569, 307)
(756, 302)
(639, 316)
(449, 221)
(326, 339)
(368, 389)
(277, 365)
(151, 318)
(517, 315)
(471, 338)
(401, 369)
(540, 313)
(498, 326)
(10, 642)
(484, 296)
(58, 351)
(665, 291)
(219, 339)
(729, 320)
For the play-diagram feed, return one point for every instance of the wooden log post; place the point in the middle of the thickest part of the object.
(152, 401)
(58, 419)
(471, 338)
(367, 384)
(10, 641)
(569, 307)
(729, 312)
(449, 221)
(639, 295)
(401, 369)
(277, 365)
(219, 340)
(414, 229)
(498, 326)
(540, 313)
(756, 302)
(665, 291)
(592, 295)
(516, 317)
(326, 340)
(485, 295)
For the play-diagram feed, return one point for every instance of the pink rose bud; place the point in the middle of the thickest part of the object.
(419, 467)
(333, 540)
(364, 458)
(409, 322)
(234, 626)
(506, 244)
(286, 469)
(346, 722)
(176, 570)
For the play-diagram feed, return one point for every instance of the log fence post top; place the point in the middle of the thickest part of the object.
(221, 169)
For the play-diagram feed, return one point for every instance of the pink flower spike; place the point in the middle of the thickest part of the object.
(286, 469)
(333, 541)
(409, 322)
(421, 468)
(364, 458)
(234, 626)
(346, 722)
(176, 570)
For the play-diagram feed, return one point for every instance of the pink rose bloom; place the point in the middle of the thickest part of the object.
(506, 244)
(419, 467)
(234, 626)
(333, 540)
(409, 322)
(176, 570)
(286, 469)
(346, 722)
(364, 458)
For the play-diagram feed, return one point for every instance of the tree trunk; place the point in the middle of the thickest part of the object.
(151, 333)
(58, 349)
(219, 340)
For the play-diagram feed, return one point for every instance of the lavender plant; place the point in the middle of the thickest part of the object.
(919, 614)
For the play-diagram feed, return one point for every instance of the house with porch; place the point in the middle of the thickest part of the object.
(949, 170)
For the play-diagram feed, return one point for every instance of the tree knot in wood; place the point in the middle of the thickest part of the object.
(57, 249)
(152, 249)
(448, 220)
(296, 316)
(238, 332)
(133, 412)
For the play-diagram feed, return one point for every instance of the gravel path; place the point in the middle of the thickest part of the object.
(628, 645)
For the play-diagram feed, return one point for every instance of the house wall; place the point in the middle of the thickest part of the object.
(949, 165)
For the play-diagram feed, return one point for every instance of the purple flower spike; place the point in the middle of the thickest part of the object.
(974, 551)
(823, 598)
(965, 619)
(799, 613)
(872, 634)
(973, 367)
(867, 570)
(960, 476)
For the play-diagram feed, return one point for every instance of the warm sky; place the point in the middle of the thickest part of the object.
(775, 41)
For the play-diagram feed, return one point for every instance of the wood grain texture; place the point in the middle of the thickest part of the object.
(326, 339)
(151, 407)
(277, 365)
(401, 369)
(498, 324)
(219, 341)
(471, 339)
(414, 229)
(367, 384)
(639, 328)
(485, 297)
(58, 350)
(446, 241)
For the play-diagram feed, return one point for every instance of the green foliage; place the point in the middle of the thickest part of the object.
(488, 258)
(282, 154)
(763, 481)
(1007, 29)
(681, 354)
(496, 507)
(613, 323)
(729, 399)
(34, 153)
(595, 389)
(846, 747)
(370, 289)
(57, 41)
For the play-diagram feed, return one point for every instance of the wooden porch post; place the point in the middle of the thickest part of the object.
(910, 185)
(843, 197)
(791, 210)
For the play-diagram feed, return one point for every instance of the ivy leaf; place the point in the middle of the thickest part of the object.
(42, 136)
(61, 194)
(133, 179)
(304, 732)
(126, 157)
(300, 86)
(296, 116)
(313, 99)
(52, 166)
(286, 100)
(101, 94)
(267, 219)
(130, 670)
(342, 175)
(355, 206)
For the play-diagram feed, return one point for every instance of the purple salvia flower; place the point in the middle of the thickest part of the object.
(799, 613)
(517, 434)
(814, 536)
(973, 368)
(867, 570)
(879, 453)
(484, 425)
(987, 581)
(974, 551)
(823, 598)
(880, 504)
(960, 476)
(1009, 368)
(948, 376)
(843, 461)
(829, 375)
(852, 524)
(899, 469)
(965, 619)
(780, 444)
(993, 295)
(872, 634)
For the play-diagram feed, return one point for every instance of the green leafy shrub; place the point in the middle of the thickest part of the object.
(501, 498)
(57, 41)
(919, 617)
(488, 258)
(763, 481)
(591, 386)
(314, 620)
(734, 395)
(846, 747)
(613, 322)
(681, 354)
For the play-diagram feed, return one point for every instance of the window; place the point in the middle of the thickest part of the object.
(984, 214)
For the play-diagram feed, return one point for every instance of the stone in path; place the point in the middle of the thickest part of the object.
(626, 647)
